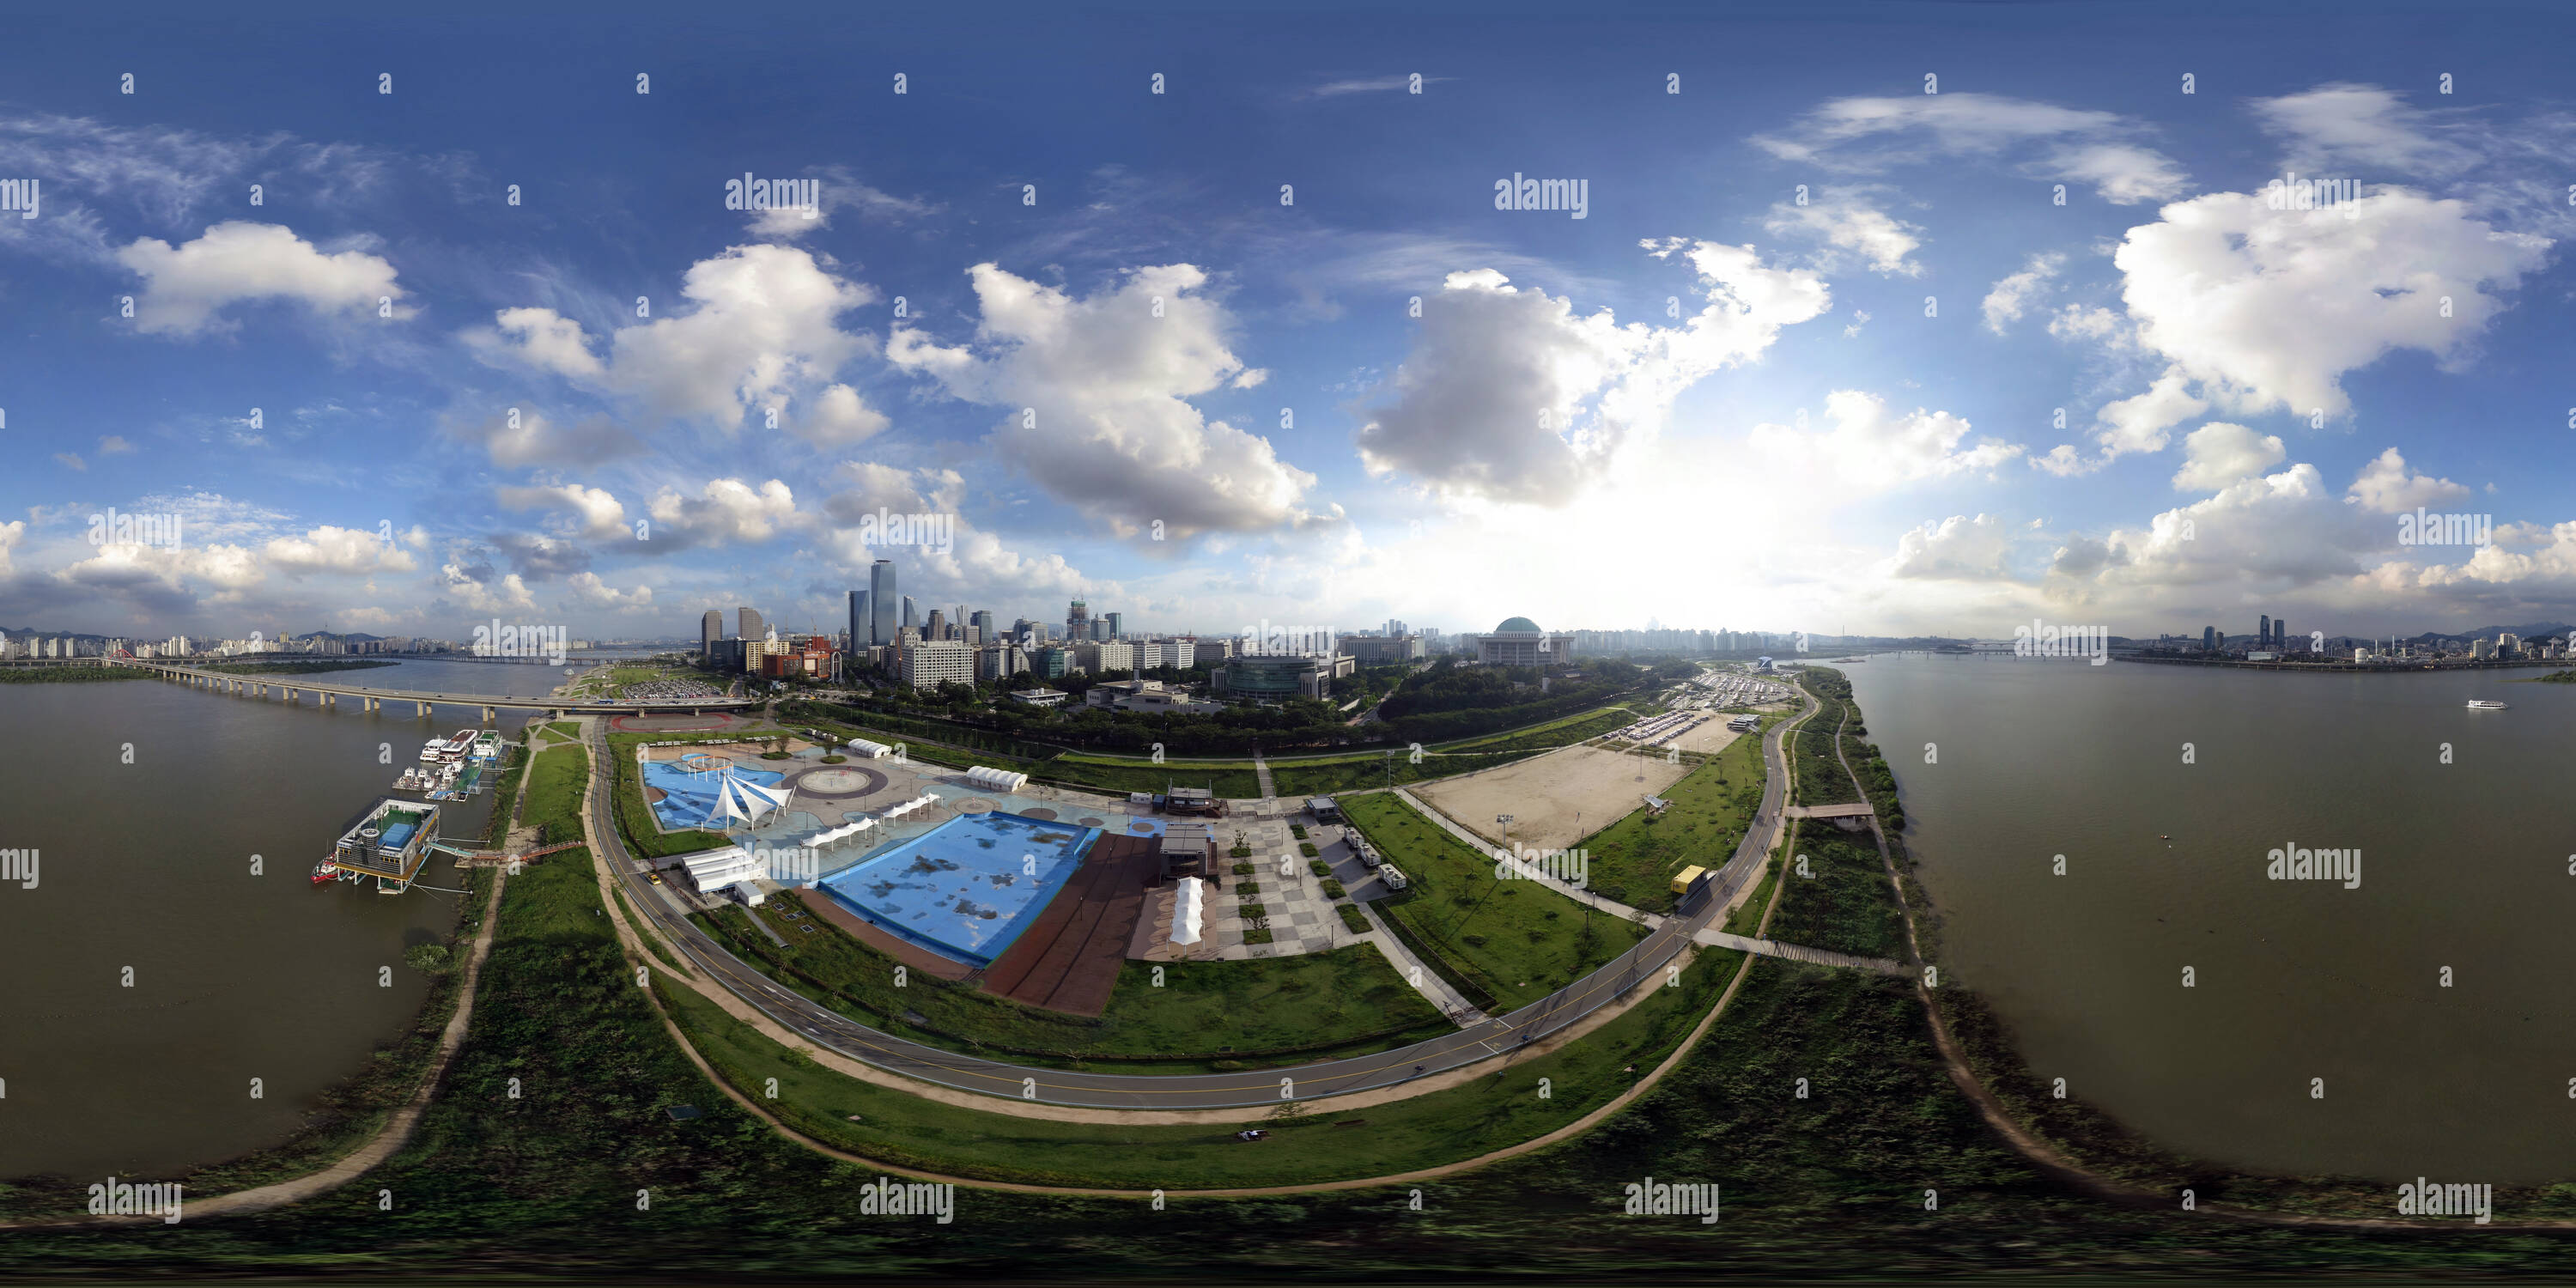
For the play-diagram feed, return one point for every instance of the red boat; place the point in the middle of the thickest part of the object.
(326, 872)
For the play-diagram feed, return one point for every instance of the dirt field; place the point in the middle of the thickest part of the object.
(1709, 737)
(1543, 794)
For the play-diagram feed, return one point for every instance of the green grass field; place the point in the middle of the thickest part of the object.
(556, 780)
(1514, 941)
(1345, 1002)
(1633, 860)
(1496, 1110)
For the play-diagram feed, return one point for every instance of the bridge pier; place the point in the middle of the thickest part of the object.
(491, 716)
(424, 712)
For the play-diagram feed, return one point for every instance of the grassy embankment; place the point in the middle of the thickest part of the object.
(1505, 944)
(1205, 1015)
(71, 674)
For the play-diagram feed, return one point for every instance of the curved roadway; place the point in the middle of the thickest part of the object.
(833, 1031)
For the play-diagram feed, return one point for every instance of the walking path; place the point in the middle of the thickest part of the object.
(1261, 770)
(1438, 991)
(1800, 953)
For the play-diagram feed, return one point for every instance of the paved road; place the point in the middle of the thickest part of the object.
(832, 1031)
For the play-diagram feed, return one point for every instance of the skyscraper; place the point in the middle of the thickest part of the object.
(2263, 633)
(2208, 639)
(752, 628)
(858, 620)
(881, 602)
(710, 630)
(1117, 625)
(936, 628)
(910, 618)
(1077, 621)
(983, 621)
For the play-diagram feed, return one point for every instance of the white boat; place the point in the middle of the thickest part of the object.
(2485, 704)
(432, 749)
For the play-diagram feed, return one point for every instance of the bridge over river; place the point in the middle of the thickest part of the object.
(291, 688)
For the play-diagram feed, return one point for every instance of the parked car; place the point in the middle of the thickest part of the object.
(1392, 876)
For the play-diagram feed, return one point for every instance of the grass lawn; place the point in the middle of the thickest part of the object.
(1634, 860)
(1347, 1002)
(1847, 904)
(1513, 941)
(1233, 780)
(556, 781)
(1440, 1127)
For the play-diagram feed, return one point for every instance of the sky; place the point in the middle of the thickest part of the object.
(1880, 319)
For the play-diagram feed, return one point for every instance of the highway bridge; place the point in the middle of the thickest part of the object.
(295, 688)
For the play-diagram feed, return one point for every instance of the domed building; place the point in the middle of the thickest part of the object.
(1520, 642)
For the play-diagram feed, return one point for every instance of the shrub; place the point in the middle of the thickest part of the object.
(1308, 849)
(428, 959)
(1256, 936)
(1297, 830)
(1248, 890)
(834, 759)
(1352, 920)
(1320, 868)
(1243, 869)
(1255, 912)
(1333, 888)
(1241, 852)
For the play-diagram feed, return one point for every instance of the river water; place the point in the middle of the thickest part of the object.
(146, 864)
(2467, 847)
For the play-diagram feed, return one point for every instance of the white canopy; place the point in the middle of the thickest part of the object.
(1188, 911)
(739, 798)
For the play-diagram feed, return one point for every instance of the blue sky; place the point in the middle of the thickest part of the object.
(1704, 403)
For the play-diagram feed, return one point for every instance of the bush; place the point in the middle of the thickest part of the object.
(773, 755)
(1308, 849)
(1297, 830)
(1320, 868)
(1352, 920)
(1243, 869)
(834, 759)
(1241, 852)
(1255, 912)
(1247, 890)
(428, 959)
(1333, 888)
(1256, 936)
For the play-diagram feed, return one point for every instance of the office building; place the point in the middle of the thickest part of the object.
(936, 627)
(1273, 677)
(1376, 650)
(2208, 639)
(752, 629)
(881, 602)
(1077, 621)
(982, 620)
(1211, 652)
(1117, 625)
(710, 629)
(1053, 663)
(911, 618)
(858, 638)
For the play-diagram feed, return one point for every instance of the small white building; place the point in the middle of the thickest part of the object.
(996, 780)
(871, 750)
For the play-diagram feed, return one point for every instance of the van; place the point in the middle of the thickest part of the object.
(1391, 875)
(1368, 853)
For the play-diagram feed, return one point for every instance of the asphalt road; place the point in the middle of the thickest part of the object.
(1499, 1036)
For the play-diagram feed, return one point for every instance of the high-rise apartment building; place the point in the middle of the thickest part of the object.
(711, 629)
(752, 628)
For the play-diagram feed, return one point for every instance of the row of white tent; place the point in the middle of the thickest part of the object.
(997, 780)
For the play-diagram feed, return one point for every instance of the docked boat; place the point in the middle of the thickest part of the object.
(325, 872)
(432, 749)
(2485, 704)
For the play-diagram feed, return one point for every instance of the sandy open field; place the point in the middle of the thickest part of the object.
(1711, 736)
(1543, 794)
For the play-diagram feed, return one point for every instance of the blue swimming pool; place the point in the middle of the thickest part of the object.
(687, 798)
(966, 888)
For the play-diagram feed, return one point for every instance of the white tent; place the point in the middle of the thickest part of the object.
(871, 750)
(740, 799)
(999, 780)
(1188, 911)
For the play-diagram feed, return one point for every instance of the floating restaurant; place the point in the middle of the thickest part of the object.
(391, 844)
